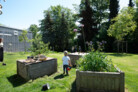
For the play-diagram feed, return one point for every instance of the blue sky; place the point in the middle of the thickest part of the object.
(22, 13)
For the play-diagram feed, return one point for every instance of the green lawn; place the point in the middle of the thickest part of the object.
(129, 64)
(10, 82)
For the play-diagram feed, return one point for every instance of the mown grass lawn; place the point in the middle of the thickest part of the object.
(10, 82)
(129, 64)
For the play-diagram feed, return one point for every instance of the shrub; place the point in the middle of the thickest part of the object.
(38, 46)
(95, 61)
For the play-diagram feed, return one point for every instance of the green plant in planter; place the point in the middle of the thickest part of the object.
(96, 61)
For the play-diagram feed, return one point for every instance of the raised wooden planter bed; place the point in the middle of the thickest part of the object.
(33, 70)
(74, 57)
(88, 81)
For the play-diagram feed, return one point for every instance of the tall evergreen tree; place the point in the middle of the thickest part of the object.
(113, 8)
(65, 32)
(113, 12)
(47, 30)
(90, 26)
(131, 4)
(62, 34)
(57, 27)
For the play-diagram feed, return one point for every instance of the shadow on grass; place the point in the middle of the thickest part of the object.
(73, 86)
(74, 66)
(59, 76)
(16, 80)
(119, 54)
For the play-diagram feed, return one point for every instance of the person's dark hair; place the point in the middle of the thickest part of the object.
(0, 40)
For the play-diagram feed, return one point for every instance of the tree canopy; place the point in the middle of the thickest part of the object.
(34, 29)
(23, 38)
(93, 13)
(124, 24)
(57, 27)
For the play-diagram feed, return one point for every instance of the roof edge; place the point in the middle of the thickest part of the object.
(13, 28)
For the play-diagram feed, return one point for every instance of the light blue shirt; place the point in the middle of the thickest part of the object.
(65, 60)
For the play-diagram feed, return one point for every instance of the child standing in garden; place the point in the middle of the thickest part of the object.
(66, 62)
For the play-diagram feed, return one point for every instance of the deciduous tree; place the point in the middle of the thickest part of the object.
(124, 24)
(23, 38)
(34, 29)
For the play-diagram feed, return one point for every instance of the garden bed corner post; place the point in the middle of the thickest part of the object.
(122, 79)
(77, 80)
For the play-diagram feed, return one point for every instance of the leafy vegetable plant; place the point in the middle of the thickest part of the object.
(96, 61)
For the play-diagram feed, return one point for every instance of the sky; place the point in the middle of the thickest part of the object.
(21, 14)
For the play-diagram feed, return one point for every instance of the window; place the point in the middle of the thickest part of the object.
(15, 32)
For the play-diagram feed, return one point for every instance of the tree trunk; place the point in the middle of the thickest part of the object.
(24, 46)
(118, 46)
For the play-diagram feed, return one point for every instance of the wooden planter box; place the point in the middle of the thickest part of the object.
(36, 69)
(88, 81)
(75, 56)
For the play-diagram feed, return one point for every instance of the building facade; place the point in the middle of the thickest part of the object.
(11, 39)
